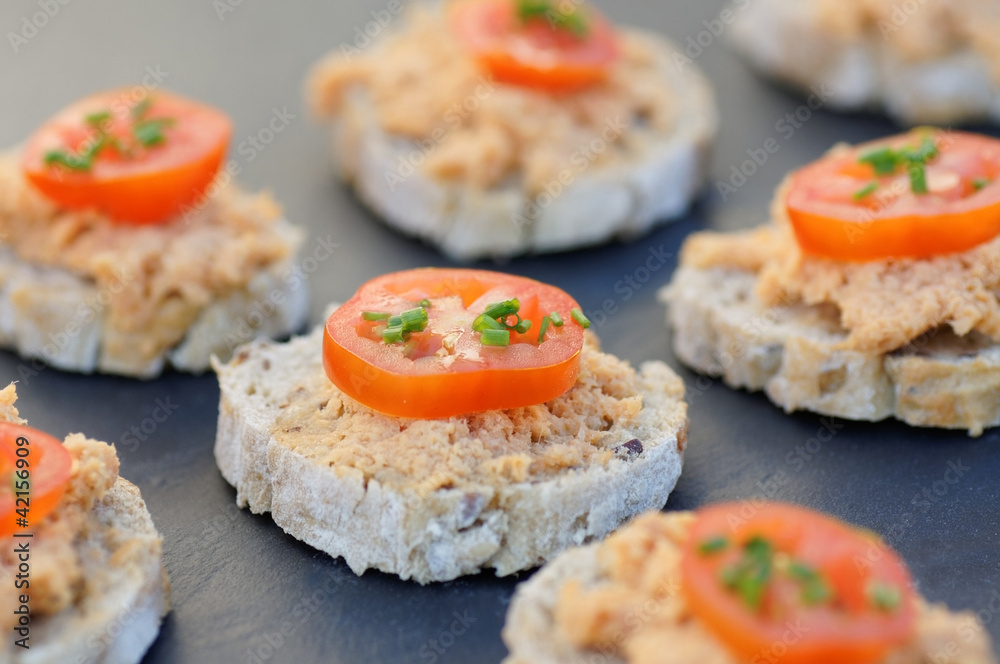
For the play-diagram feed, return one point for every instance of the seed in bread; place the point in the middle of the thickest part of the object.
(482, 168)
(431, 500)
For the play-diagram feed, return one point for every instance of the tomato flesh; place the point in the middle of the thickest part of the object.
(445, 370)
(960, 211)
(48, 465)
(146, 185)
(533, 53)
(848, 627)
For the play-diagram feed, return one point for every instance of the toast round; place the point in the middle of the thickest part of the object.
(721, 328)
(661, 174)
(533, 637)
(59, 317)
(115, 625)
(280, 418)
(792, 42)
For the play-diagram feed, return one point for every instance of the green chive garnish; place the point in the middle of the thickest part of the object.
(375, 315)
(866, 191)
(918, 177)
(502, 309)
(578, 316)
(749, 577)
(425, 303)
(556, 319)
(67, 160)
(484, 322)
(496, 337)
(97, 119)
(392, 335)
(523, 326)
(546, 321)
(140, 109)
(150, 132)
(395, 321)
(979, 183)
(885, 161)
(885, 597)
(714, 545)
(573, 20)
(814, 589)
(414, 320)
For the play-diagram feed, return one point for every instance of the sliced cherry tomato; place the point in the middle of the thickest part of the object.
(842, 208)
(832, 594)
(445, 369)
(156, 156)
(534, 53)
(48, 465)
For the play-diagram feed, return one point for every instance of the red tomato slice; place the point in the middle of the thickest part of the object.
(848, 626)
(48, 465)
(148, 185)
(832, 219)
(445, 370)
(533, 53)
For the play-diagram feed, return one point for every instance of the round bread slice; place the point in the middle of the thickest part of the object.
(721, 328)
(203, 275)
(533, 636)
(431, 500)
(121, 553)
(796, 43)
(654, 183)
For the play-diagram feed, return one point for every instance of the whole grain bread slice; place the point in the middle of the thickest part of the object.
(126, 592)
(794, 43)
(431, 500)
(118, 625)
(532, 634)
(662, 173)
(721, 328)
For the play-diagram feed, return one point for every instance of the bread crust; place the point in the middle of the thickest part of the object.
(448, 532)
(791, 42)
(40, 317)
(663, 174)
(721, 328)
(118, 625)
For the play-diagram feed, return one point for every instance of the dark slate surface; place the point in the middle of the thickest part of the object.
(243, 591)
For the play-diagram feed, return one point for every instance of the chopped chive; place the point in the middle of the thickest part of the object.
(496, 337)
(749, 576)
(503, 309)
(140, 109)
(928, 150)
(392, 335)
(546, 321)
(414, 320)
(425, 303)
(714, 545)
(150, 132)
(484, 322)
(97, 119)
(979, 183)
(375, 315)
(394, 321)
(801, 572)
(523, 326)
(816, 592)
(918, 177)
(556, 319)
(866, 191)
(578, 316)
(67, 160)
(885, 597)
(885, 161)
